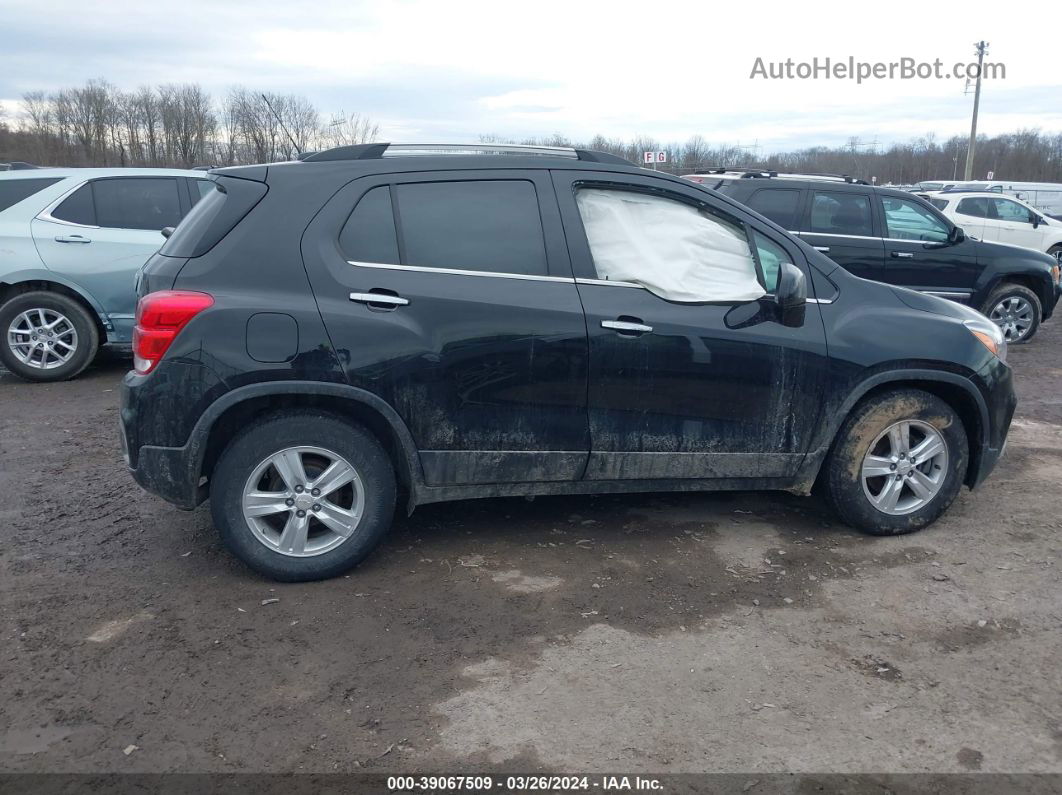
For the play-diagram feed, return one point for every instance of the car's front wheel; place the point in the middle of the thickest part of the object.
(302, 495)
(47, 336)
(898, 462)
(1016, 310)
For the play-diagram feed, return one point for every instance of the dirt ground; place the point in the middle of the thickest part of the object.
(656, 633)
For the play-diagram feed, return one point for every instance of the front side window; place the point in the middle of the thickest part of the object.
(778, 205)
(908, 220)
(487, 225)
(1006, 210)
(975, 207)
(673, 249)
(150, 203)
(836, 213)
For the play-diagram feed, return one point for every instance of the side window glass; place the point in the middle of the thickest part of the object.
(369, 233)
(77, 208)
(907, 220)
(149, 203)
(486, 225)
(836, 213)
(778, 205)
(673, 249)
(1007, 210)
(200, 188)
(975, 207)
(771, 258)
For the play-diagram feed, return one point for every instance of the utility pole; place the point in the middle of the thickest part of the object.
(982, 48)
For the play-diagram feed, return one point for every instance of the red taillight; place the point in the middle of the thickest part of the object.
(159, 319)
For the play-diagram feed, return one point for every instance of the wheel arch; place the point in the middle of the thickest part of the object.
(1038, 286)
(954, 389)
(226, 416)
(29, 281)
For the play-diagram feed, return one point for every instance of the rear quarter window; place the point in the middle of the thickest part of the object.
(12, 191)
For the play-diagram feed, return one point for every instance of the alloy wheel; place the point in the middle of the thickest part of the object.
(905, 467)
(1014, 316)
(303, 501)
(42, 338)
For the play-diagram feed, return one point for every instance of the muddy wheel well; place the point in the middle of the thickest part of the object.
(955, 396)
(237, 417)
(9, 290)
(1035, 285)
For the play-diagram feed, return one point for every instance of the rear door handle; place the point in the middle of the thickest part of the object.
(71, 239)
(903, 254)
(379, 299)
(627, 327)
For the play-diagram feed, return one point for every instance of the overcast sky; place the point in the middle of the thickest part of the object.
(453, 70)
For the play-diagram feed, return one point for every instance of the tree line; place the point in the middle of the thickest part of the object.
(173, 125)
(182, 125)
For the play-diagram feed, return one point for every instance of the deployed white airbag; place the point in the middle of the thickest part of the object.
(670, 248)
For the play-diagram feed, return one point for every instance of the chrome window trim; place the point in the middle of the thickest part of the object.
(46, 213)
(864, 237)
(608, 283)
(819, 300)
(529, 277)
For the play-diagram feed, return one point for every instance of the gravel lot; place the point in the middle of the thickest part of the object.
(649, 633)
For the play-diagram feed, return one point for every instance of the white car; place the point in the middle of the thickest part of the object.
(1001, 219)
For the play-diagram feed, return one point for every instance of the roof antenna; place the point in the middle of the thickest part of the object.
(281, 123)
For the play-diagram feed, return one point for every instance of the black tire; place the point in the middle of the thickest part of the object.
(1056, 251)
(86, 346)
(1012, 290)
(843, 469)
(297, 428)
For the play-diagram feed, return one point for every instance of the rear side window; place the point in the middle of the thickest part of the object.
(137, 203)
(778, 205)
(12, 191)
(214, 216)
(941, 204)
(487, 225)
(369, 233)
(77, 208)
(836, 213)
(200, 188)
(975, 207)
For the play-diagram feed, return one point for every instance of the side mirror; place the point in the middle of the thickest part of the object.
(791, 296)
(957, 235)
(167, 231)
(1035, 219)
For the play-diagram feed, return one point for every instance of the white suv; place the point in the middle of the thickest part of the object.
(1001, 219)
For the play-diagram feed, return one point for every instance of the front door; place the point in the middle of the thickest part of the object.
(682, 387)
(451, 296)
(1012, 224)
(100, 235)
(918, 253)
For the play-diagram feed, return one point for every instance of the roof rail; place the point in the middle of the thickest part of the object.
(758, 173)
(377, 151)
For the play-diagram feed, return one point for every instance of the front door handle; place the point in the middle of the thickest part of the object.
(379, 299)
(71, 239)
(628, 327)
(823, 249)
(903, 255)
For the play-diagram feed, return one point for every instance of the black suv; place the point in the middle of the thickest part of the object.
(320, 337)
(898, 238)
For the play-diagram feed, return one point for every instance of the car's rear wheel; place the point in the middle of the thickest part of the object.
(303, 495)
(46, 336)
(1016, 310)
(898, 462)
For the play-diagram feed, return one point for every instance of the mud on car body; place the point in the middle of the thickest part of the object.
(376, 325)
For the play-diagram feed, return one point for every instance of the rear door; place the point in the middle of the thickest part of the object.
(690, 388)
(841, 224)
(100, 234)
(974, 214)
(450, 295)
(919, 254)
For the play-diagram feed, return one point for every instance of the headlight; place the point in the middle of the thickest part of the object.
(990, 335)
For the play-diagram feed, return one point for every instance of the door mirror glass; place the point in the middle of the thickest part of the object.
(791, 297)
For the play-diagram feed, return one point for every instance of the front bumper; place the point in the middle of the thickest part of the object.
(997, 386)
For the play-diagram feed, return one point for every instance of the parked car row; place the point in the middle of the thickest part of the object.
(379, 324)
